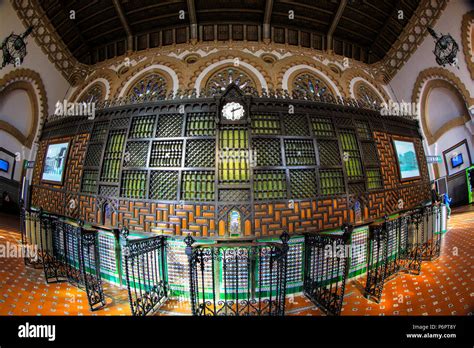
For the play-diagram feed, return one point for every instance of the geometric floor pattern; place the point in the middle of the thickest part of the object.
(444, 287)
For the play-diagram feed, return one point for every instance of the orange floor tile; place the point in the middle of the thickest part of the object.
(444, 287)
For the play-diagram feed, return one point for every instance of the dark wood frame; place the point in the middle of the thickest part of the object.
(451, 149)
(59, 183)
(413, 178)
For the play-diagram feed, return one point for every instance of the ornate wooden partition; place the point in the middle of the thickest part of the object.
(178, 167)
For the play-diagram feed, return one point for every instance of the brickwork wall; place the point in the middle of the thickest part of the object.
(269, 219)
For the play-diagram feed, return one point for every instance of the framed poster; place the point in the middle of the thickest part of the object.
(457, 158)
(55, 163)
(408, 166)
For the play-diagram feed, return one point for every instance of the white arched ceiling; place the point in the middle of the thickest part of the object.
(152, 67)
(205, 72)
(15, 108)
(443, 106)
(326, 79)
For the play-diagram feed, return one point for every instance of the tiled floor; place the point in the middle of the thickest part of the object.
(444, 287)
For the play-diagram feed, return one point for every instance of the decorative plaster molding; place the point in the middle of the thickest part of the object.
(354, 72)
(283, 79)
(432, 78)
(31, 13)
(414, 33)
(466, 40)
(254, 65)
(29, 81)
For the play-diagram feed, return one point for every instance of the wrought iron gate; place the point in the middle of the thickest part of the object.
(238, 279)
(31, 237)
(66, 251)
(432, 232)
(376, 261)
(326, 267)
(145, 267)
(401, 244)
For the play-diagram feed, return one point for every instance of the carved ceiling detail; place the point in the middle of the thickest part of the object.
(31, 14)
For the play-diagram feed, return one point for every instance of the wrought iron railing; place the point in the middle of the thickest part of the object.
(31, 237)
(326, 268)
(145, 269)
(238, 279)
(66, 251)
(190, 94)
(400, 245)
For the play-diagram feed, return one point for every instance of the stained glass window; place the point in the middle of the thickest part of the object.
(309, 84)
(366, 94)
(224, 77)
(150, 85)
(93, 94)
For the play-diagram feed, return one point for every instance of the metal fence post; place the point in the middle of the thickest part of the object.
(189, 241)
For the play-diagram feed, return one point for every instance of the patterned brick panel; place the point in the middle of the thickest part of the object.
(387, 159)
(75, 162)
(48, 199)
(376, 205)
(165, 218)
(306, 216)
(88, 208)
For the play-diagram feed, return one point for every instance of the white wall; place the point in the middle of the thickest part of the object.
(423, 58)
(15, 108)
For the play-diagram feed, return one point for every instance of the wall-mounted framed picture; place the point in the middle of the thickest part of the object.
(457, 158)
(407, 160)
(55, 162)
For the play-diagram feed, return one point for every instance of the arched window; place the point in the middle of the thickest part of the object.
(309, 84)
(93, 94)
(366, 93)
(224, 77)
(151, 85)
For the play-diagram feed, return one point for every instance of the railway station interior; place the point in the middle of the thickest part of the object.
(237, 158)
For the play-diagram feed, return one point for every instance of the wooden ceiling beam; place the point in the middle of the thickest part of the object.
(73, 26)
(386, 24)
(267, 16)
(335, 22)
(309, 7)
(192, 20)
(125, 25)
(308, 19)
(149, 7)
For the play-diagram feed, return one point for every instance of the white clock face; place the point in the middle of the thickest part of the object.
(233, 111)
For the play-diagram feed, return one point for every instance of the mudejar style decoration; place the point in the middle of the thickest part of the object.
(206, 185)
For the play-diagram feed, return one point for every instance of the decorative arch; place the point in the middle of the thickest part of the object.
(289, 67)
(153, 83)
(309, 82)
(29, 81)
(362, 90)
(220, 78)
(94, 92)
(105, 76)
(467, 38)
(169, 78)
(430, 79)
(290, 77)
(354, 74)
(255, 78)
